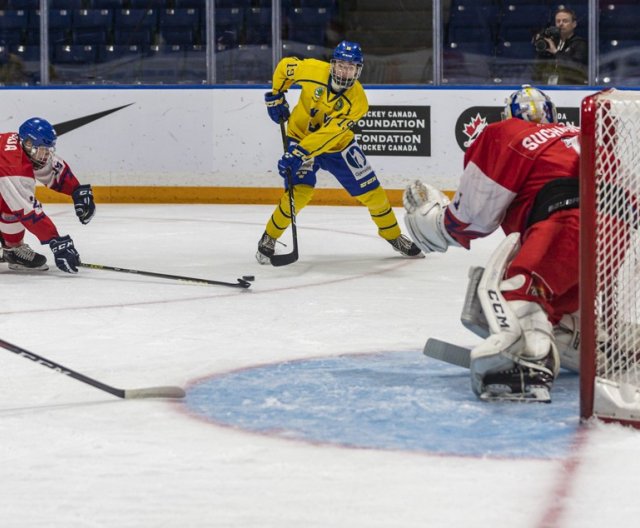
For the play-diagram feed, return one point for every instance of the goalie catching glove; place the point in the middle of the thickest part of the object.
(277, 107)
(425, 206)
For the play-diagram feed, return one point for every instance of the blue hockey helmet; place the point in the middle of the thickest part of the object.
(38, 138)
(346, 64)
(530, 104)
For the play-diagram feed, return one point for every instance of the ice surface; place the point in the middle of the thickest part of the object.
(309, 403)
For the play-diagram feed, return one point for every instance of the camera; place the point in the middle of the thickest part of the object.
(552, 32)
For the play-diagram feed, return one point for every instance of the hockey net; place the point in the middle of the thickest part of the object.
(610, 257)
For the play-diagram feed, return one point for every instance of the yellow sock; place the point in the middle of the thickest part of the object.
(281, 217)
(381, 213)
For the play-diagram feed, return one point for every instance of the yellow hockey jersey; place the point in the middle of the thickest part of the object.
(322, 120)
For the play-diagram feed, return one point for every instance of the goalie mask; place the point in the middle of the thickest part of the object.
(346, 65)
(38, 139)
(530, 104)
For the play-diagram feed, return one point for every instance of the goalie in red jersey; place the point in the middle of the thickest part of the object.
(520, 174)
(26, 156)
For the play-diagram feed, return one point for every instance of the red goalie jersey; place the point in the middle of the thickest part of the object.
(18, 207)
(504, 169)
(523, 177)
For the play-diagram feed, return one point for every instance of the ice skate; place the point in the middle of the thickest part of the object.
(23, 258)
(266, 249)
(405, 247)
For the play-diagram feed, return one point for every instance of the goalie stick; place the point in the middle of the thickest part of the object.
(288, 258)
(447, 352)
(128, 394)
(242, 283)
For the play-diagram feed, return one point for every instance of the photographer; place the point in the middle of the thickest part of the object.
(562, 55)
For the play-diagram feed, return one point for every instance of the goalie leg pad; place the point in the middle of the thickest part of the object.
(518, 361)
(472, 316)
(567, 338)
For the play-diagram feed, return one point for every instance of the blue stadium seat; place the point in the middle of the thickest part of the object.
(229, 24)
(148, 4)
(92, 26)
(74, 54)
(610, 46)
(162, 64)
(105, 4)
(522, 22)
(258, 25)
(27, 53)
(30, 57)
(198, 4)
(478, 47)
(286, 5)
(23, 4)
(119, 64)
(136, 18)
(329, 5)
(516, 49)
(112, 52)
(620, 22)
(180, 26)
(252, 63)
(135, 27)
(231, 3)
(472, 23)
(59, 24)
(66, 4)
(13, 27)
(195, 64)
(472, 28)
(308, 25)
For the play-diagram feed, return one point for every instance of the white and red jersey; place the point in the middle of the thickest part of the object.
(503, 171)
(17, 187)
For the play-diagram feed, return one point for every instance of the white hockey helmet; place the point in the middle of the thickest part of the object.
(530, 104)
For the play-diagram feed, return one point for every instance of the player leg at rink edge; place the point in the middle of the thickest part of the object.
(319, 133)
(520, 174)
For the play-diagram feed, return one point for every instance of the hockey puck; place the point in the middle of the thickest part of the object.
(249, 278)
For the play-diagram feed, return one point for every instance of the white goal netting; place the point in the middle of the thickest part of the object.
(617, 254)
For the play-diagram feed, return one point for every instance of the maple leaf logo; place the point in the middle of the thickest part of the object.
(473, 128)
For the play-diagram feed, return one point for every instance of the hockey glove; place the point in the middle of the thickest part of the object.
(84, 204)
(292, 160)
(277, 107)
(418, 193)
(65, 254)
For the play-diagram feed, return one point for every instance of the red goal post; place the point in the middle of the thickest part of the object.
(610, 257)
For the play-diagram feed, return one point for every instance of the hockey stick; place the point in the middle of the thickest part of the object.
(242, 283)
(288, 258)
(447, 352)
(129, 394)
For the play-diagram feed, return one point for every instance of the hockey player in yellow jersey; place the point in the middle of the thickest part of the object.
(319, 136)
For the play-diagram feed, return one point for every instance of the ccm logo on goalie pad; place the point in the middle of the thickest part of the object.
(498, 308)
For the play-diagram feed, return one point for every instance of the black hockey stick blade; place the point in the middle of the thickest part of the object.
(241, 283)
(447, 352)
(286, 259)
(150, 392)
